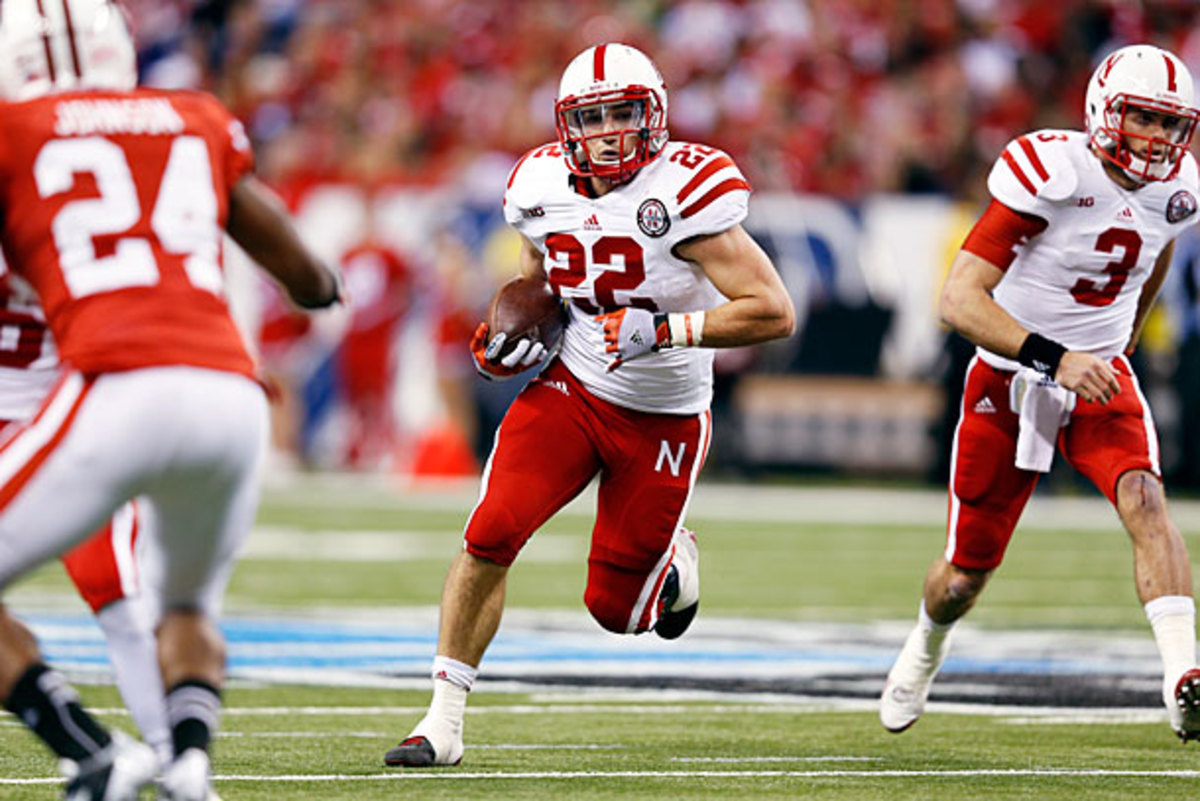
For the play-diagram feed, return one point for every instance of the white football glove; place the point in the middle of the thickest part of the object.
(631, 332)
(525, 354)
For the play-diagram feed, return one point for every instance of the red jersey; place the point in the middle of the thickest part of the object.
(113, 208)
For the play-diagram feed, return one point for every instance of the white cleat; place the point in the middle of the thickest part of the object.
(116, 774)
(187, 778)
(681, 588)
(907, 687)
(1183, 706)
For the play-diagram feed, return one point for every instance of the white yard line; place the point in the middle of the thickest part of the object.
(453, 775)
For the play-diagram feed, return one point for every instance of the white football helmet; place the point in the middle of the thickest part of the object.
(1141, 80)
(611, 113)
(58, 45)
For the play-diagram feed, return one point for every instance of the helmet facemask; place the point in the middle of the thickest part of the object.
(611, 134)
(1144, 157)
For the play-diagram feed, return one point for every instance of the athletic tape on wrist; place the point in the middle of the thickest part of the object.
(686, 328)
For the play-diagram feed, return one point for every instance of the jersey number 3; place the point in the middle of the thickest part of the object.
(184, 219)
(1085, 290)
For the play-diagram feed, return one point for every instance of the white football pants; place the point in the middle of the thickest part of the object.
(190, 440)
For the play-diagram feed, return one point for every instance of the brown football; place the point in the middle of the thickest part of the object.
(525, 307)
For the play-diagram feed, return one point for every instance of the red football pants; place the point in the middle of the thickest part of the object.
(554, 439)
(988, 492)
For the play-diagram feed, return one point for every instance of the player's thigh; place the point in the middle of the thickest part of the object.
(1103, 442)
(650, 473)
(103, 567)
(58, 482)
(542, 457)
(651, 467)
(987, 490)
(204, 507)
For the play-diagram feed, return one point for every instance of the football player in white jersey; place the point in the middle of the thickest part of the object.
(1053, 285)
(642, 238)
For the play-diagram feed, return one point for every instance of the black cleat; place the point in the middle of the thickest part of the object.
(415, 752)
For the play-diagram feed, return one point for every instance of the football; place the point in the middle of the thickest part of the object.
(526, 307)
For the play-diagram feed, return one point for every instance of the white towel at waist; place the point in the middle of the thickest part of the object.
(1043, 407)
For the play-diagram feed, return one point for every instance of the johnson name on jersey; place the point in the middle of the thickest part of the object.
(603, 253)
(1079, 280)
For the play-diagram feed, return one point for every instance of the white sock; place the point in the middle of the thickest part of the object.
(452, 681)
(1173, 618)
(458, 673)
(935, 632)
(133, 651)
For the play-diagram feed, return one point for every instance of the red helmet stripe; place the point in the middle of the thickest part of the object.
(1038, 167)
(1171, 87)
(598, 63)
(46, 44)
(71, 39)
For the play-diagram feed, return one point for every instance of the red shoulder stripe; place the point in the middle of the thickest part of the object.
(722, 188)
(1012, 165)
(702, 176)
(1034, 159)
(512, 176)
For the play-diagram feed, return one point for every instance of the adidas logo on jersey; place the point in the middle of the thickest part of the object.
(1126, 214)
(985, 406)
(591, 224)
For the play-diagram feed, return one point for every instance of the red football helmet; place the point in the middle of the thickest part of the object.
(611, 112)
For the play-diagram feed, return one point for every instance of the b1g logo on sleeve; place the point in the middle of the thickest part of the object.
(1181, 206)
(652, 217)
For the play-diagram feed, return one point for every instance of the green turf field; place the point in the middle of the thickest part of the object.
(767, 555)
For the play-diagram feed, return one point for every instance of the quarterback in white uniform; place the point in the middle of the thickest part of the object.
(1053, 285)
(641, 238)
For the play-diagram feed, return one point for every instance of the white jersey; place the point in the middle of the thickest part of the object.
(1078, 281)
(28, 359)
(617, 250)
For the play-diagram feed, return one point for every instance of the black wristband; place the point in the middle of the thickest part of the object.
(1041, 354)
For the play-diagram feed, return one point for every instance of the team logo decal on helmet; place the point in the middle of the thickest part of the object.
(652, 217)
(1181, 206)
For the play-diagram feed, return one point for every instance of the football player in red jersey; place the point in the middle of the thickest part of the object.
(1053, 285)
(104, 569)
(113, 202)
(643, 239)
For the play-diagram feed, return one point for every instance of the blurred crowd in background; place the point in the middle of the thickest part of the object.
(839, 98)
(844, 99)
